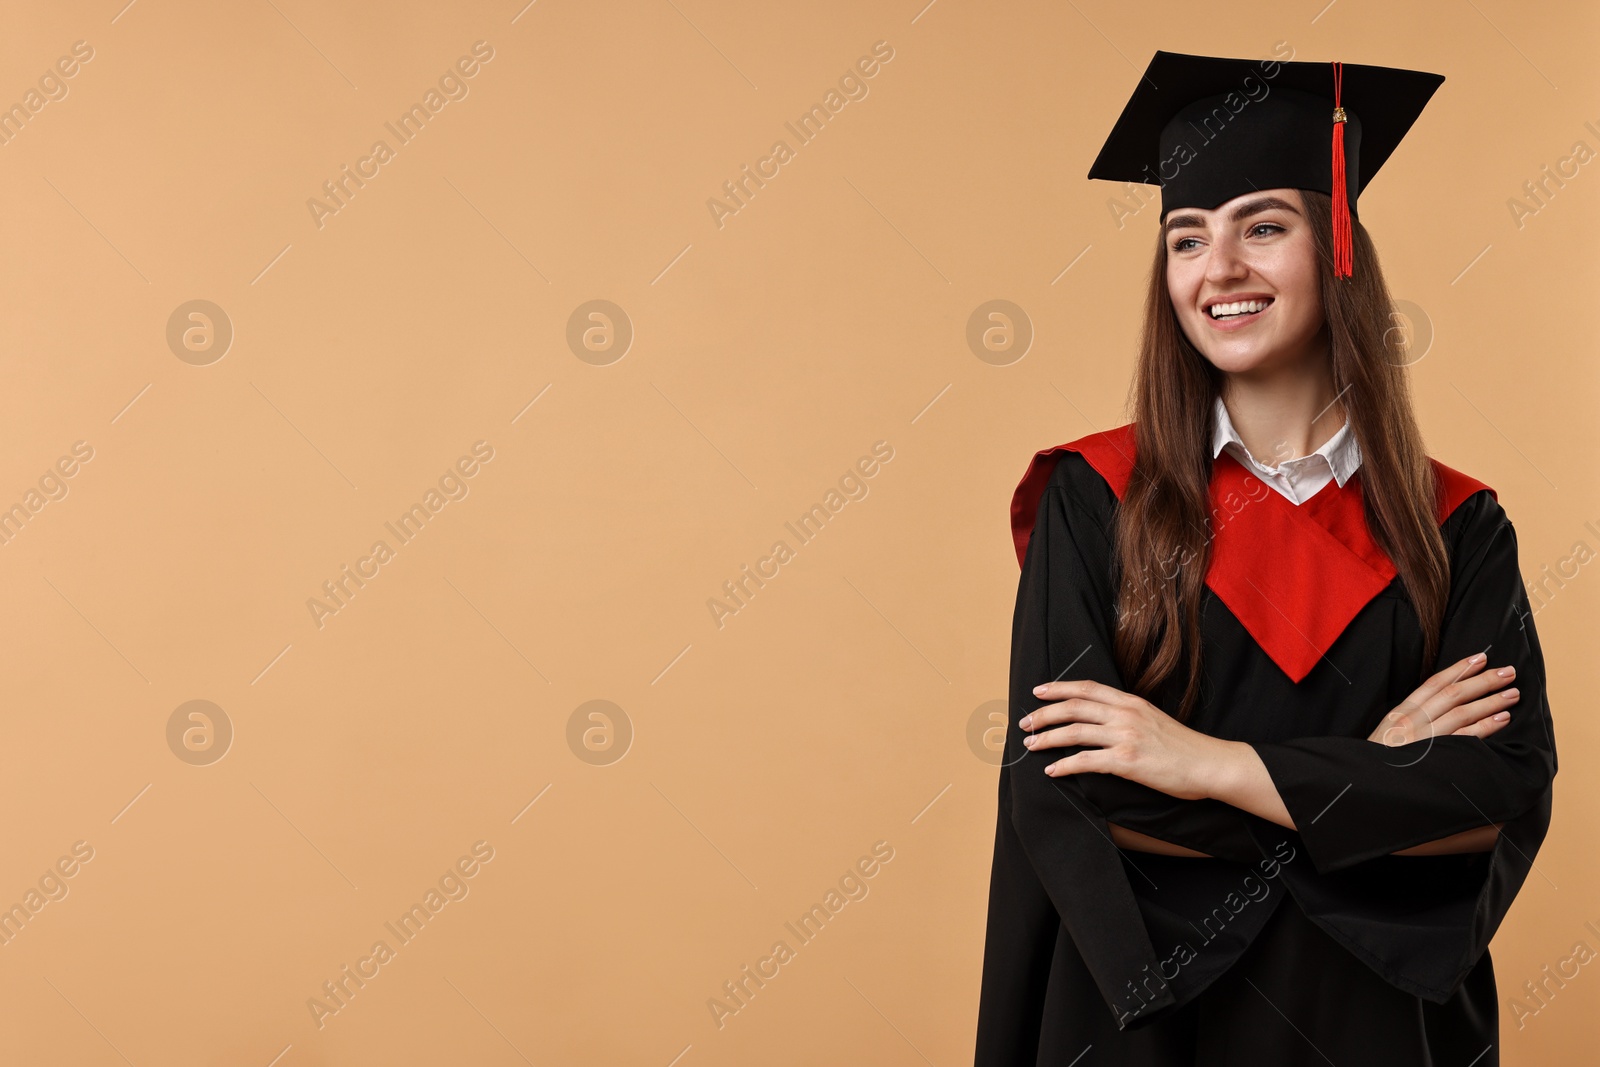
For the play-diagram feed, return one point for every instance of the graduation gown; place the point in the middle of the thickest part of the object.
(1282, 946)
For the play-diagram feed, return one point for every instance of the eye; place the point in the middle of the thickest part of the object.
(1180, 245)
(1270, 227)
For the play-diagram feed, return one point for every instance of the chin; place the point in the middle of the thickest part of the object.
(1242, 355)
(1239, 359)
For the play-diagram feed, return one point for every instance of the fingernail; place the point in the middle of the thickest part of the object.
(1477, 657)
(1503, 715)
(1028, 741)
(1027, 721)
(1510, 694)
(1506, 672)
(1038, 690)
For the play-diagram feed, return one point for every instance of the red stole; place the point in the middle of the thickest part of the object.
(1294, 575)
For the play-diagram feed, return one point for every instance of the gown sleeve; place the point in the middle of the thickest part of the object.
(1062, 631)
(1056, 871)
(1422, 922)
(1353, 800)
(1053, 848)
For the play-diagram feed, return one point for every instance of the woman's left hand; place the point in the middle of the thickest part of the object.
(1133, 739)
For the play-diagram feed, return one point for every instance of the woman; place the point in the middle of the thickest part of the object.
(1280, 754)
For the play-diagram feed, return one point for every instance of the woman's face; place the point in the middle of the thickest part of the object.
(1257, 250)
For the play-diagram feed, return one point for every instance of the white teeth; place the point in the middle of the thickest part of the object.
(1239, 307)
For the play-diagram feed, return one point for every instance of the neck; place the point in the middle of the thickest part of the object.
(1288, 415)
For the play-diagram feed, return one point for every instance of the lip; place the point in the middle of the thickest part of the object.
(1238, 322)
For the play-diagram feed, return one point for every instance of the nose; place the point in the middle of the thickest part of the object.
(1225, 260)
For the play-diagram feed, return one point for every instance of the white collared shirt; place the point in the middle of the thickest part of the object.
(1296, 479)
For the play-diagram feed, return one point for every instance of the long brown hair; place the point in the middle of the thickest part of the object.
(1164, 524)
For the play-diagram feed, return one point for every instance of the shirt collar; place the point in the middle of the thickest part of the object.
(1341, 451)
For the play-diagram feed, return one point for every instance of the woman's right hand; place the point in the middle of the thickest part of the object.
(1462, 699)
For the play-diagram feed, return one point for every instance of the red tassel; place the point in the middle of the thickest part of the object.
(1343, 253)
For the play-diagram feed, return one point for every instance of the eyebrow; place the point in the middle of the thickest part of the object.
(1243, 211)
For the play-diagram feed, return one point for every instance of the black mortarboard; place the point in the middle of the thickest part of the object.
(1208, 129)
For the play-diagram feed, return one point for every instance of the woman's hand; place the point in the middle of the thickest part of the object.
(1458, 700)
(1134, 739)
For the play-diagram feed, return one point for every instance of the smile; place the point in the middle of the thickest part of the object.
(1234, 314)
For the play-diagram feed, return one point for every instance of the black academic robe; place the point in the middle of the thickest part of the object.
(1284, 946)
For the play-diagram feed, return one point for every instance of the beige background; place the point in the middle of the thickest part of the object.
(769, 354)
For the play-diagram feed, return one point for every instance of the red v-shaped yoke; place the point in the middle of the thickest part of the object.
(1294, 575)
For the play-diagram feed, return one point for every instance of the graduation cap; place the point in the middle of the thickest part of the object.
(1207, 129)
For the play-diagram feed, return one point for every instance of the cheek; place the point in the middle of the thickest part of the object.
(1181, 285)
(1307, 302)
(1295, 279)
(1296, 271)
